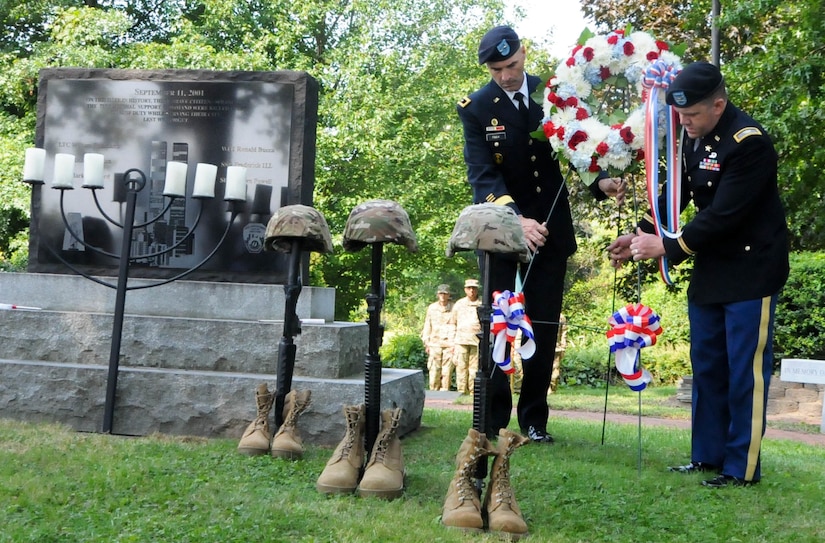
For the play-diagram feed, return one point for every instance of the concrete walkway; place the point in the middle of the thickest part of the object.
(446, 400)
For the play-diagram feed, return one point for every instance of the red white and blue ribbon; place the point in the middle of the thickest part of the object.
(657, 78)
(509, 317)
(633, 327)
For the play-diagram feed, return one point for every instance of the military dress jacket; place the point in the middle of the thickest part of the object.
(739, 237)
(505, 165)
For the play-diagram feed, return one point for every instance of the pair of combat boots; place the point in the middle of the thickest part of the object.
(286, 443)
(383, 476)
(463, 507)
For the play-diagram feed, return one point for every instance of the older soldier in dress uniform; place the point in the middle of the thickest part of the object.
(739, 244)
(437, 336)
(464, 319)
(506, 166)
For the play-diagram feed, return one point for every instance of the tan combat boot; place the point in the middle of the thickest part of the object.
(287, 442)
(503, 513)
(255, 439)
(384, 475)
(344, 467)
(462, 507)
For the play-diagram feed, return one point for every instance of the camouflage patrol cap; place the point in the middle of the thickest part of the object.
(489, 227)
(443, 288)
(298, 222)
(378, 221)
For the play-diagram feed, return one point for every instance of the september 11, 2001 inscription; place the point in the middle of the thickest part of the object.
(263, 121)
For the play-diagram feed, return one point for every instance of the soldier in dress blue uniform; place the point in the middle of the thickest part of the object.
(739, 244)
(506, 166)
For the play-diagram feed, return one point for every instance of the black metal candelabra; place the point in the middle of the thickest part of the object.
(134, 181)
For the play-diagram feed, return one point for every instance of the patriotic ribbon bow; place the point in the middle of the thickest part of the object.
(633, 327)
(508, 318)
(656, 80)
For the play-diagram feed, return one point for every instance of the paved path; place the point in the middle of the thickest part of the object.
(446, 400)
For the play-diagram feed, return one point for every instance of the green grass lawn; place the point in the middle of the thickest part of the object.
(63, 486)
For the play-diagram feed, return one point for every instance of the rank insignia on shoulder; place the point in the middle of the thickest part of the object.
(464, 102)
(746, 132)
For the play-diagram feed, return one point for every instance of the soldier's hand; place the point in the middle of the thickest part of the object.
(615, 187)
(534, 232)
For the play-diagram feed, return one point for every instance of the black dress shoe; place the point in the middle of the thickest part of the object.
(537, 435)
(727, 480)
(693, 467)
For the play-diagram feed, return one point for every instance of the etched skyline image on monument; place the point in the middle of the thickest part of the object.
(262, 121)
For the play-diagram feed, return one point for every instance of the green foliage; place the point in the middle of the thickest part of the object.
(800, 311)
(405, 351)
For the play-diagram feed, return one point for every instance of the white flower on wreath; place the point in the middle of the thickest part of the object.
(589, 135)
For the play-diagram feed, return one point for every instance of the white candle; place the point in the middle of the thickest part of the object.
(34, 165)
(205, 175)
(235, 183)
(63, 171)
(93, 171)
(175, 179)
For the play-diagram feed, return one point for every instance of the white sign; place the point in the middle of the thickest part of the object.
(795, 370)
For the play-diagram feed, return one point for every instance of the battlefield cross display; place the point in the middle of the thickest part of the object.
(263, 122)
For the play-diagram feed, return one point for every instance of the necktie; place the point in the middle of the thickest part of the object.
(522, 108)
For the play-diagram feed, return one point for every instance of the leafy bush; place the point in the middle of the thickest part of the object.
(584, 365)
(800, 311)
(404, 351)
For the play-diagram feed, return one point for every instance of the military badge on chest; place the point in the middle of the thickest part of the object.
(495, 132)
(710, 162)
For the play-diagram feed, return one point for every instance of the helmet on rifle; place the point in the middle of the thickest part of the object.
(378, 221)
(489, 227)
(298, 222)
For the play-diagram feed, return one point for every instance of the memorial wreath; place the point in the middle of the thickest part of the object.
(594, 110)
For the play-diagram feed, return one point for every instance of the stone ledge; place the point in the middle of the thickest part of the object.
(182, 402)
(331, 350)
(192, 299)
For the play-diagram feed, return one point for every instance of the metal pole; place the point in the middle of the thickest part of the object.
(714, 31)
(133, 187)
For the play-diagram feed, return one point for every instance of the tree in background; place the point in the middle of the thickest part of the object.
(389, 74)
(773, 57)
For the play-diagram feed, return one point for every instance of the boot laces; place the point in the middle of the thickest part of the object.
(464, 484)
(292, 415)
(384, 443)
(350, 437)
(503, 491)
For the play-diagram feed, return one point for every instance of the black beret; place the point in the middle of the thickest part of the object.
(500, 43)
(694, 83)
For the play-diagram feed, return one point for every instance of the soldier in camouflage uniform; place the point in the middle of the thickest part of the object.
(464, 318)
(437, 336)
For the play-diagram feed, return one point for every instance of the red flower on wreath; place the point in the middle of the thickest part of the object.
(594, 166)
(628, 48)
(627, 135)
(578, 137)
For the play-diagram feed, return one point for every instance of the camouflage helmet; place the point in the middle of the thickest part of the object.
(378, 221)
(298, 222)
(489, 227)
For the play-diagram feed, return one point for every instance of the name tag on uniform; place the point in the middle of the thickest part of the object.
(497, 136)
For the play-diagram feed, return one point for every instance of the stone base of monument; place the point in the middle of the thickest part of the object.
(186, 402)
(193, 372)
